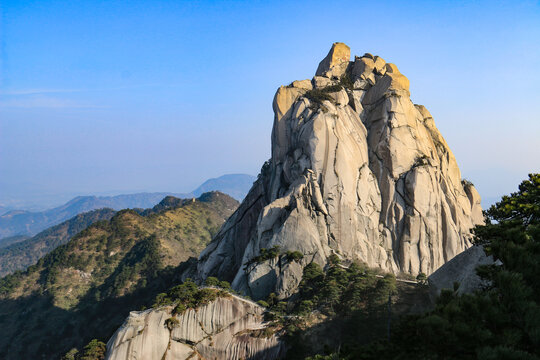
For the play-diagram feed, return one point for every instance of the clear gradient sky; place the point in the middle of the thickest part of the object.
(124, 96)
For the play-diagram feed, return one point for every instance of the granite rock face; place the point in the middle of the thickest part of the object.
(227, 328)
(357, 170)
(461, 270)
(336, 62)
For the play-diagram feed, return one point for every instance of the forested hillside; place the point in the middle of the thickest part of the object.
(85, 288)
(22, 254)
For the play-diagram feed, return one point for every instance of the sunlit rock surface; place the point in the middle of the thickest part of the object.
(227, 328)
(357, 170)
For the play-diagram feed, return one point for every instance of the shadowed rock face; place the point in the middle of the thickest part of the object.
(227, 328)
(461, 270)
(356, 170)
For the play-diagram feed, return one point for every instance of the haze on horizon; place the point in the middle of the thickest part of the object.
(109, 97)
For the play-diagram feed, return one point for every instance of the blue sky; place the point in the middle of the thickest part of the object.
(116, 96)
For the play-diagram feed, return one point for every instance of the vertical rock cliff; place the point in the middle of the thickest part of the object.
(227, 328)
(357, 170)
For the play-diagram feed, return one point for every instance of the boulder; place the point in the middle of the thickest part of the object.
(320, 82)
(362, 68)
(302, 84)
(379, 65)
(336, 62)
(392, 82)
(461, 270)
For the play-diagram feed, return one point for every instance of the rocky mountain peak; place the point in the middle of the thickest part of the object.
(357, 170)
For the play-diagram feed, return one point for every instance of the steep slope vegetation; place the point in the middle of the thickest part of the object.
(85, 288)
(22, 254)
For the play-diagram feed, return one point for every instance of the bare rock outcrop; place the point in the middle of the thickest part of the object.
(356, 170)
(336, 62)
(461, 270)
(227, 328)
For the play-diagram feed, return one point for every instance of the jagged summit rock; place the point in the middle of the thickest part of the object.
(336, 62)
(357, 170)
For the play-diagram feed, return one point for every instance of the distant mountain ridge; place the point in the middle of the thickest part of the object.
(4, 209)
(7, 241)
(235, 185)
(19, 222)
(20, 255)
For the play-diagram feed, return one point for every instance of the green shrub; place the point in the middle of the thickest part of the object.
(188, 295)
(212, 281)
(265, 254)
(346, 81)
(171, 323)
(306, 306)
(224, 285)
(272, 299)
(332, 88)
(179, 309)
(95, 350)
(267, 332)
(280, 307)
(183, 293)
(421, 278)
(317, 96)
(161, 300)
(334, 260)
(203, 297)
(270, 316)
(71, 355)
(224, 293)
(294, 256)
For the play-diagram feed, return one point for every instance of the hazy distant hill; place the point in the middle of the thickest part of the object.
(235, 185)
(85, 288)
(20, 255)
(19, 222)
(4, 209)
